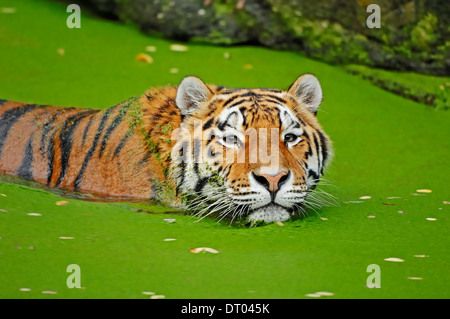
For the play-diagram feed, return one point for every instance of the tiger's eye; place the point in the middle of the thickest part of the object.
(231, 139)
(290, 137)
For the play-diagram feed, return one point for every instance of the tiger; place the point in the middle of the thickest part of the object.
(197, 146)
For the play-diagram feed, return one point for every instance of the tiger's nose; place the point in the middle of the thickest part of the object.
(272, 182)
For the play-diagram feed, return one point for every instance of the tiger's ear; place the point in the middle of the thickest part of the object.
(191, 94)
(308, 92)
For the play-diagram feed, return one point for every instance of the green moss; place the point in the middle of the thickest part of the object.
(136, 123)
(426, 89)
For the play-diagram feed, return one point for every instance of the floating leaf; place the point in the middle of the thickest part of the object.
(142, 57)
(325, 293)
(313, 295)
(203, 249)
(178, 47)
(394, 259)
(148, 293)
(424, 191)
(150, 48)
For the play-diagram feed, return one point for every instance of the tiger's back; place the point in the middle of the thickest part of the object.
(94, 152)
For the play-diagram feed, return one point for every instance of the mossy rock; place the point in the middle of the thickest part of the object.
(413, 33)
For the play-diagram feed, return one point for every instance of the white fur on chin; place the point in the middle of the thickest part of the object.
(270, 213)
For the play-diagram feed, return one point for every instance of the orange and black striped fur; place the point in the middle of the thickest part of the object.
(129, 150)
(102, 153)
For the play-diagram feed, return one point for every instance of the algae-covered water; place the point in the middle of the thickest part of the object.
(387, 147)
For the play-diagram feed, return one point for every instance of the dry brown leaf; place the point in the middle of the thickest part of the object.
(203, 249)
(142, 57)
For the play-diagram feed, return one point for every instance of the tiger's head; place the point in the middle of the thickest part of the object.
(254, 153)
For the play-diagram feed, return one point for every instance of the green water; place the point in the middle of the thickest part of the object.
(386, 146)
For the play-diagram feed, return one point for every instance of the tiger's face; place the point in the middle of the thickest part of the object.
(256, 153)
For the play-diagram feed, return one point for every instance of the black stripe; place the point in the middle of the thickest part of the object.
(26, 170)
(181, 176)
(210, 139)
(301, 120)
(316, 142)
(2, 102)
(324, 148)
(89, 154)
(309, 152)
(145, 158)
(243, 111)
(10, 117)
(231, 99)
(208, 124)
(272, 101)
(276, 98)
(50, 157)
(226, 171)
(270, 90)
(305, 134)
(200, 184)
(46, 128)
(239, 102)
(66, 140)
(229, 91)
(115, 123)
(313, 174)
(250, 93)
(122, 142)
(196, 169)
(85, 131)
(182, 165)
